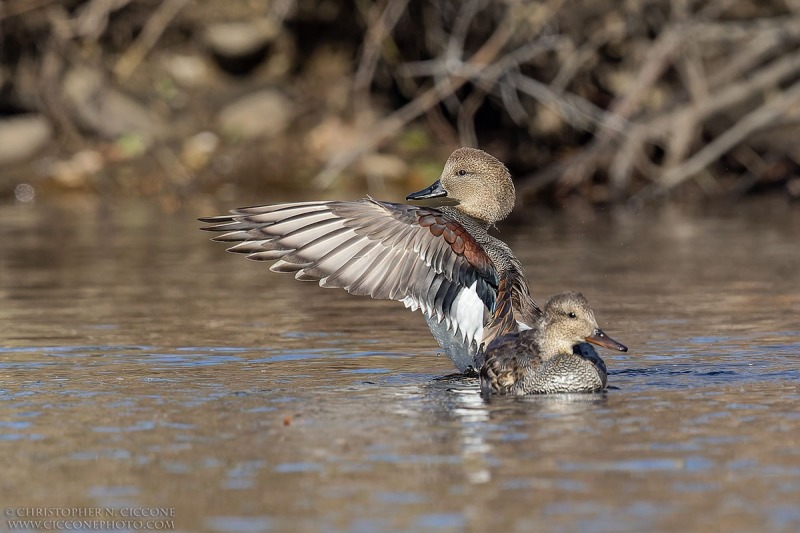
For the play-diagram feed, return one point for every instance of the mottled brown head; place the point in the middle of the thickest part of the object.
(477, 183)
(568, 320)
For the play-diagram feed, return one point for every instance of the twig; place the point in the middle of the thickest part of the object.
(466, 117)
(486, 81)
(659, 126)
(151, 32)
(746, 126)
(755, 165)
(440, 126)
(22, 6)
(755, 52)
(453, 54)
(577, 111)
(578, 58)
(455, 44)
(51, 70)
(656, 61)
(487, 74)
(692, 73)
(444, 87)
(725, 33)
(512, 104)
(384, 129)
(92, 20)
(378, 32)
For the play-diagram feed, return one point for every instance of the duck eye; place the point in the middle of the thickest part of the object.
(571, 314)
(462, 172)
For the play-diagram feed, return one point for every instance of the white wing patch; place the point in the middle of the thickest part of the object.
(469, 314)
(467, 318)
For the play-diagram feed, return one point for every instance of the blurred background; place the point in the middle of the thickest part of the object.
(588, 102)
(141, 366)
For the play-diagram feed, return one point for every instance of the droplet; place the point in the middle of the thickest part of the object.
(25, 192)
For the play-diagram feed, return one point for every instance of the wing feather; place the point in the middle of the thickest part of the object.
(416, 255)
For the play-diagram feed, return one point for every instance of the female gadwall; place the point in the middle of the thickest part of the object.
(550, 357)
(442, 261)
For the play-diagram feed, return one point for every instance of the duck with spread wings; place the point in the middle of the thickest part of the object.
(438, 258)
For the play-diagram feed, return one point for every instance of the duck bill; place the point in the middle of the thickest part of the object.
(601, 339)
(435, 195)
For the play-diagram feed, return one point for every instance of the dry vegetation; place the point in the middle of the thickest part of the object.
(602, 100)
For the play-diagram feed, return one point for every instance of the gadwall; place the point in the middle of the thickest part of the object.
(550, 357)
(438, 258)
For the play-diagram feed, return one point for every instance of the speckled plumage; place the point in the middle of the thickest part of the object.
(546, 358)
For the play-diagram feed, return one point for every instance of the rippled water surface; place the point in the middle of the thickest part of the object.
(142, 366)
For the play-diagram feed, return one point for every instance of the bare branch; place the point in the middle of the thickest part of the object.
(152, 31)
(378, 32)
(750, 123)
(481, 60)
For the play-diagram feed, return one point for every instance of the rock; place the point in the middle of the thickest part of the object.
(239, 39)
(198, 149)
(106, 111)
(264, 113)
(188, 70)
(76, 171)
(22, 136)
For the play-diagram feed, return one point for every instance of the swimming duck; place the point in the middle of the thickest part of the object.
(438, 258)
(551, 356)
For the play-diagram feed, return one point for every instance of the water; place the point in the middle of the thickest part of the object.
(143, 367)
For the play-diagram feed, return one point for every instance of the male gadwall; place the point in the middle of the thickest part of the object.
(438, 259)
(549, 357)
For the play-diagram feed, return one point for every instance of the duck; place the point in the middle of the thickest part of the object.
(552, 356)
(437, 256)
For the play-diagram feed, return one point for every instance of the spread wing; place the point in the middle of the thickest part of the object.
(384, 250)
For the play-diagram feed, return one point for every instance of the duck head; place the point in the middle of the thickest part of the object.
(476, 183)
(568, 320)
